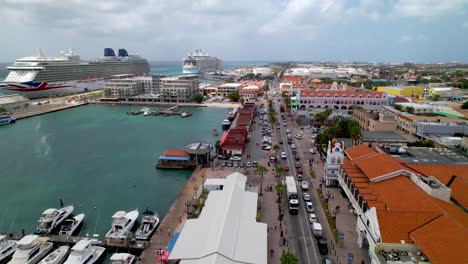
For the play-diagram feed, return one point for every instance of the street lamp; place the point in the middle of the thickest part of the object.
(187, 204)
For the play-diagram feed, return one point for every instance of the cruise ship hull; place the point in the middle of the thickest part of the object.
(191, 71)
(46, 89)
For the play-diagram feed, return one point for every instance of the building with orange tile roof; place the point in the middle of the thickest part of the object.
(292, 79)
(340, 99)
(406, 208)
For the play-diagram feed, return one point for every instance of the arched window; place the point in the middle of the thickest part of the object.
(333, 160)
(328, 95)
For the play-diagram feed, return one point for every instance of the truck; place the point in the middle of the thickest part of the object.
(291, 189)
(317, 229)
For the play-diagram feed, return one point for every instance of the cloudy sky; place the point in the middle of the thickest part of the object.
(345, 30)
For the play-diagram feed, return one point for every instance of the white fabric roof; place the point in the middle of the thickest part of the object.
(226, 231)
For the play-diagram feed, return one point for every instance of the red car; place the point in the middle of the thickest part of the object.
(299, 170)
(286, 167)
(298, 157)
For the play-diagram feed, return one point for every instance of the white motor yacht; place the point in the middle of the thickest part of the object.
(84, 252)
(122, 258)
(30, 249)
(7, 248)
(58, 256)
(70, 225)
(122, 223)
(149, 223)
(52, 218)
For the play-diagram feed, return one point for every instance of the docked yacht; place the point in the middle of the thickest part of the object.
(122, 223)
(122, 258)
(84, 252)
(70, 225)
(6, 119)
(52, 218)
(149, 223)
(58, 256)
(7, 248)
(30, 249)
(226, 124)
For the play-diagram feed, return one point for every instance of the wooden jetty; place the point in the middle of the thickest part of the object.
(128, 243)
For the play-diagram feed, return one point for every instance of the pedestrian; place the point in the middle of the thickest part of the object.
(272, 252)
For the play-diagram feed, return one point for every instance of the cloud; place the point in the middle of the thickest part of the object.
(429, 8)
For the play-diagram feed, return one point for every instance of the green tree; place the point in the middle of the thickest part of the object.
(234, 96)
(218, 145)
(464, 105)
(355, 133)
(261, 170)
(276, 148)
(289, 258)
(422, 143)
(279, 171)
(436, 97)
(198, 98)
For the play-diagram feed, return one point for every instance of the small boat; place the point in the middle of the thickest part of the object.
(122, 223)
(149, 223)
(57, 256)
(84, 252)
(7, 248)
(214, 132)
(147, 113)
(6, 119)
(186, 114)
(122, 258)
(231, 116)
(30, 249)
(52, 218)
(70, 225)
(226, 124)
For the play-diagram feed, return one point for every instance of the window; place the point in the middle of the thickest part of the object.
(367, 223)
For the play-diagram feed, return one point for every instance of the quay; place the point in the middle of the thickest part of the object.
(156, 103)
(44, 109)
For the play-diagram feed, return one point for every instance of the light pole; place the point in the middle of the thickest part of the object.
(187, 203)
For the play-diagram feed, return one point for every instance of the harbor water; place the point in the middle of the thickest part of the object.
(98, 159)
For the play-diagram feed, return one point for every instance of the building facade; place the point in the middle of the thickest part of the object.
(341, 100)
(375, 121)
(407, 91)
(227, 88)
(333, 162)
(179, 88)
(128, 85)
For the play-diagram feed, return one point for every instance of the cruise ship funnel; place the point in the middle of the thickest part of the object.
(108, 52)
(123, 53)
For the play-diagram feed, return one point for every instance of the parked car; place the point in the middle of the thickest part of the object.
(311, 151)
(284, 124)
(283, 155)
(277, 126)
(298, 136)
(304, 185)
(242, 165)
(322, 246)
(306, 196)
(230, 164)
(248, 164)
(298, 164)
(235, 158)
(286, 167)
(300, 171)
(266, 147)
(312, 218)
(327, 260)
(254, 164)
(236, 164)
(223, 157)
(299, 176)
(297, 157)
(224, 163)
(309, 207)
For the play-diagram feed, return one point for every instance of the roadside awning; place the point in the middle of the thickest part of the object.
(173, 241)
(449, 113)
(294, 104)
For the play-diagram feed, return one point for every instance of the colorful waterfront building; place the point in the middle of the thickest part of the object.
(341, 100)
(407, 91)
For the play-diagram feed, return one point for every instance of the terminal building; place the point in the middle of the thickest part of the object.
(226, 230)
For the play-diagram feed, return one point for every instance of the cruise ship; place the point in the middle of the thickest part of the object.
(41, 76)
(199, 61)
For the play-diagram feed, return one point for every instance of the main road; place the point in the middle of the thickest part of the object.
(301, 240)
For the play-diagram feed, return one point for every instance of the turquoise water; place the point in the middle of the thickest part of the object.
(95, 157)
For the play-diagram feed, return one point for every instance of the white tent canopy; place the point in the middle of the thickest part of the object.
(226, 230)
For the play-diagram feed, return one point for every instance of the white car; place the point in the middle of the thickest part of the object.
(266, 147)
(312, 218)
(306, 196)
(311, 151)
(310, 207)
(236, 158)
(304, 185)
(283, 155)
(298, 136)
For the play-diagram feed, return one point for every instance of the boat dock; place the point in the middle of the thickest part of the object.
(105, 242)
(173, 110)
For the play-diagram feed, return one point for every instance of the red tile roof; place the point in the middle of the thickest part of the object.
(288, 78)
(359, 151)
(379, 165)
(176, 153)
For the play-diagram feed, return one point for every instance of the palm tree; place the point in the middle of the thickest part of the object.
(355, 133)
(218, 146)
(276, 148)
(289, 258)
(280, 171)
(261, 170)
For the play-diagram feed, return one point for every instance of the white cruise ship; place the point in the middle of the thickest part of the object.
(199, 61)
(41, 76)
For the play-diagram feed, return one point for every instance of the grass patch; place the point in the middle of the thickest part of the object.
(312, 174)
(329, 216)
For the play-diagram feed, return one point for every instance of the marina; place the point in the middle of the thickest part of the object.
(173, 110)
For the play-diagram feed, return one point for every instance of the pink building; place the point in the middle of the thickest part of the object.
(341, 99)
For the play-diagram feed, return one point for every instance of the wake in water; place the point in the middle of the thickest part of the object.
(43, 148)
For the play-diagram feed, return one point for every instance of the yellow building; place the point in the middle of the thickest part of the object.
(407, 91)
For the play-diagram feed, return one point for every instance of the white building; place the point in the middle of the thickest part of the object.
(128, 85)
(418, 108)
(227, 88)
(332, 166)
(263, 71)
(179, 88)
(226, 230)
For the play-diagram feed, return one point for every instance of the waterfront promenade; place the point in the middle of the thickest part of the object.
(44, 109)
(220, 105)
